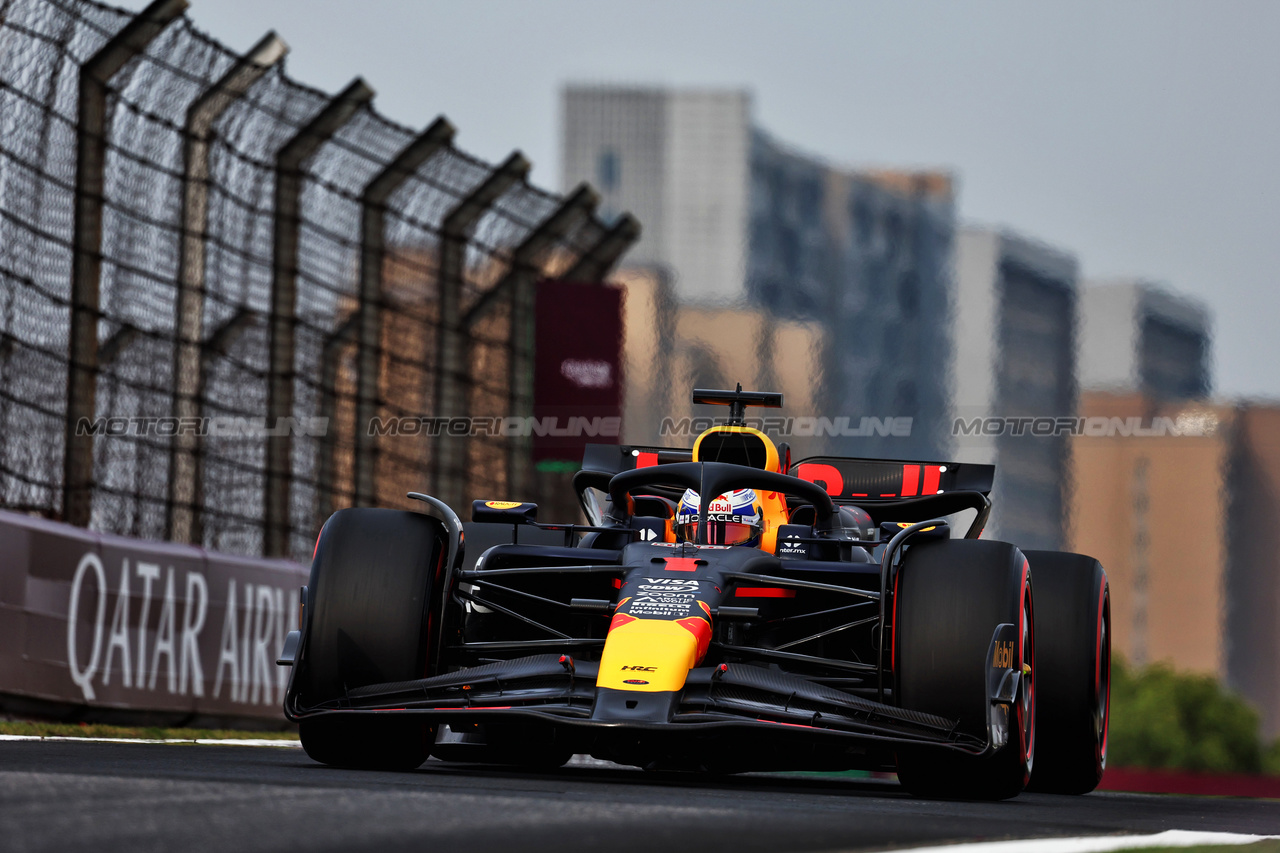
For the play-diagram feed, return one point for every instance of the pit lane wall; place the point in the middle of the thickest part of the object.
(96, 626)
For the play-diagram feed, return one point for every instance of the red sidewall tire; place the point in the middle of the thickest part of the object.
(1073, 606)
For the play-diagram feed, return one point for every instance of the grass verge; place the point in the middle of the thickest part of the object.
(32, 728)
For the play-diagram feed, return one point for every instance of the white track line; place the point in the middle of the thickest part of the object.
(1090, 844)
(201, 741)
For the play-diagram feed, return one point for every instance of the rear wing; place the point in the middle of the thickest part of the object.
(888, 490)
(904, 491)
(845, 478)
(864, 480)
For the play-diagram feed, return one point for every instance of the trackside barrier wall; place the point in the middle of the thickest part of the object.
(92, 624)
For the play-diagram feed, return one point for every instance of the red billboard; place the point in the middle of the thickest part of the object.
(577, 374)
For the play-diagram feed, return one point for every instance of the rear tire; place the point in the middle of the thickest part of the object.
(951, 595)
(1074, 643)
(369, 614)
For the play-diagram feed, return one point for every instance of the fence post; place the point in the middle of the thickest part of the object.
(86, 271)
(284, 292)
(519, 285)
(596, 262)
(330, 365)
(449, 461)
(373, 210)
(185, 487)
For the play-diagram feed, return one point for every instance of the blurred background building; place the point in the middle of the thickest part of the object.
(1181, 500)
(1014, 356)
(735, 218)
(671, 347)
(1252, 528)
(680, 161)
(1150, 485)
(1151, 507)
(1138, 336)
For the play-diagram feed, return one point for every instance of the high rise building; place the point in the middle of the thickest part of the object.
(1137, 336)
(732, 216)
(1150, 501)
(678, 160)
(1014, 358)
(1252, 532)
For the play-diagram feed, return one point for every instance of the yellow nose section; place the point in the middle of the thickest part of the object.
(652, 655)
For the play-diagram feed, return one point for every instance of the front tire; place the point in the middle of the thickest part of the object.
(1074, 606)
(369, 614)
(951, 596)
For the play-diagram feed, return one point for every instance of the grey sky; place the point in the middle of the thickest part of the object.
(1143, 136)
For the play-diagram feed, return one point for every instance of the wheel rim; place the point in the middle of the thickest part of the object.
(1027, 688)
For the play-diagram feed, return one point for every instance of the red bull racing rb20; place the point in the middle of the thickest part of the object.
(723, 610)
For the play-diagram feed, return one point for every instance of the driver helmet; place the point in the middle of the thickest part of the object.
(734, 518)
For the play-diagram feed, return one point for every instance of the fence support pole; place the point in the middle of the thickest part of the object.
(519, 286)
(449, 461)
(373, 210)
(284, 292)
(596, 262)
(185, 487)
(86, 271)
(330, 365)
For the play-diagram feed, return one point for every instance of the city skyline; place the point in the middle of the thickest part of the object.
(1135, 136)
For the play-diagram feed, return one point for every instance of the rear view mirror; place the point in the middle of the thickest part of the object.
(504, 512)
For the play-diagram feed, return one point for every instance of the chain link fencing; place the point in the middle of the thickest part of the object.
(223, 288)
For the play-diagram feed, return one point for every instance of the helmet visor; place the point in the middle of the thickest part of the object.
(730, 533)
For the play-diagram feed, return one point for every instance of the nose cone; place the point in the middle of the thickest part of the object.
(652, 655)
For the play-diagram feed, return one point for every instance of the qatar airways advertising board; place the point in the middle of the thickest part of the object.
(109, 622)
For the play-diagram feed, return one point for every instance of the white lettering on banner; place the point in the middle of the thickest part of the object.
(228, 651)
(84, 679)
(164, 639)
(148, 572)
(190, 666)
(241, 691)
(263, 617)
(118, 636)
(246, 653)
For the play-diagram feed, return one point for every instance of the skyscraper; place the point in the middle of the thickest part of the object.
(1138, 336)
(731, 215)
(1014, 357)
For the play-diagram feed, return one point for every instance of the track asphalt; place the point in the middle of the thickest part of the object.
(191, 798)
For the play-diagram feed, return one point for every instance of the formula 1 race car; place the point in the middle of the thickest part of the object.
(723, 610)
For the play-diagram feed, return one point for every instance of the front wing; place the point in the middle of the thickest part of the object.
(553, 690)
